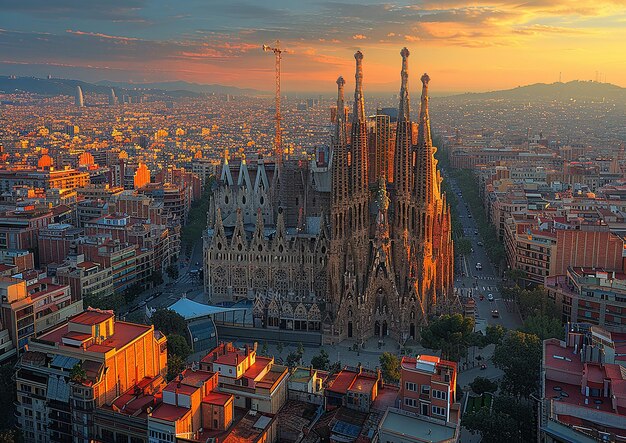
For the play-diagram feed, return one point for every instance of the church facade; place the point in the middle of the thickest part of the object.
(325, 247)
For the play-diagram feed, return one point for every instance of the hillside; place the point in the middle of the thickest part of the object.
(577, 90)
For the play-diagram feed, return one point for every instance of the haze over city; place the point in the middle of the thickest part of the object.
(478, 46)
(312, 222)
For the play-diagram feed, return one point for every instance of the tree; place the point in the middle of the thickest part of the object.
(7, 395)
(77, 373)
(177, 345)
(321, 361)
(335, 367)
(293, 359)
(172, 271)
(264, 350)
(480, 385)
(463, 246)
(390, 367)
(450, 333)
(300, 349)
(11, 436)
(106, 302)
(175, 365)
(493, 426)
(522, 412)
(544, 327)
(169, 322)
(156, 277)
(519, 356)
(494, 334)
(279, 347)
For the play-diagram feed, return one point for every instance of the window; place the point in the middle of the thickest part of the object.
(410, 386)
(425, 389)
(439, 411)
(441, 395)
(410, 402)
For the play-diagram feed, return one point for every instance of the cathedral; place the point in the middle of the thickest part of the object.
(349, 245)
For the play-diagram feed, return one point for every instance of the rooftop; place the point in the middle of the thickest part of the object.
(92, 317)
(125, 333)
(426, 429)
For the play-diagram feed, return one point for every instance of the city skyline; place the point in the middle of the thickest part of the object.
(484, 46)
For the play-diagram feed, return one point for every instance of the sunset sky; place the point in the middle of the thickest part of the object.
(475, 46)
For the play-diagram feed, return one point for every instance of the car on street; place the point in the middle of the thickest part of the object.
(475, 231)
(479, 243)
(495, 313)
(490, 297)
(479, 266)
(469, 215)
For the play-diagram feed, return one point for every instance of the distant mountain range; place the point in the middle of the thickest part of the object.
(60, 86)
(577, 90)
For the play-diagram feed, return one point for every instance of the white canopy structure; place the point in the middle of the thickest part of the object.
(190, 309)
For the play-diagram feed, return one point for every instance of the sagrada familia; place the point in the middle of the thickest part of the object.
(353, 244)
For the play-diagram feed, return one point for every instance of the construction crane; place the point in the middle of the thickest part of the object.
(278, 140)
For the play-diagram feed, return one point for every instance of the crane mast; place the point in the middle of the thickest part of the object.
(278, 141)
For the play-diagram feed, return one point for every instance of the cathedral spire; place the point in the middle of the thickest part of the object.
(404, 110)
(423, 134)
(359, 105)
(402, 175)
(340, 129)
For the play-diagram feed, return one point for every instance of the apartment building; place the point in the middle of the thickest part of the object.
(591, 295)
(83, 364)
(428, 387)
(583, 386)
(32, 304)
(56, 241)
(129, 264)
(85, 277)
(20, 229)
(43, 179)
(354, 388)
(256, 382)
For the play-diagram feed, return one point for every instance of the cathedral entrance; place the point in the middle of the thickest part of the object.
(412, 331)
(377, 329)
(349, 329)
(385, 332)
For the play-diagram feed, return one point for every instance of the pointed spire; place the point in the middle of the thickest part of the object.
(404, 109)
(359, 105)
(340, 129)
(423, 134)
(219, 226)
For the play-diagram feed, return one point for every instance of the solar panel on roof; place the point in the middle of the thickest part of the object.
(343, 428)
(262, 422)
(64, 362)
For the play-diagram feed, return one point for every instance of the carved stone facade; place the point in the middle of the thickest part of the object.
(322, 247)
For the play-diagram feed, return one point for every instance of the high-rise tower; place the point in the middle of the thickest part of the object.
(112, 98)
(78, 98)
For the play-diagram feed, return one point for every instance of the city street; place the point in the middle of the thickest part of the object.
(484, 281)
(188, 282)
